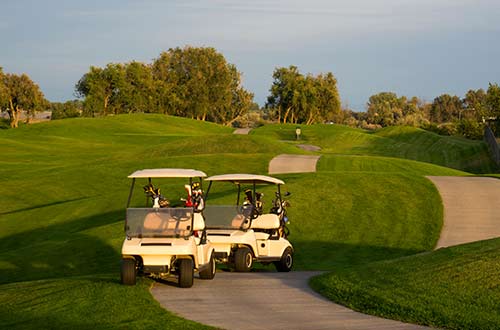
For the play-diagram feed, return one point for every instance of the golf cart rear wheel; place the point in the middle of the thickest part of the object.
(209, 272)
(243, 259)
(186, 273)
(128, 271)
(286, 262)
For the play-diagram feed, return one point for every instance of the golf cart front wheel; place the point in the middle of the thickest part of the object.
(209, 272)
(243, 260)
(128, 271)
(186, 273)
(286, 262)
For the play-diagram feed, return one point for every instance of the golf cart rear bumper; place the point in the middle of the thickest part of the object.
(156, 252)
(155, 269)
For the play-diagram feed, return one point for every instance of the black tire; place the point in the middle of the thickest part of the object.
(286, 262)
(209, 272)
(128, 271)
(186, 273)
(243, 259)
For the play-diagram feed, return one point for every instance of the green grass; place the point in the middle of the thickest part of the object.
(93, 302)
(64, 187)
(386, 165)
(400, 142)
(341, 219)
(453, 288)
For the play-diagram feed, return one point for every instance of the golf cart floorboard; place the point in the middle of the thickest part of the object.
(267, 259)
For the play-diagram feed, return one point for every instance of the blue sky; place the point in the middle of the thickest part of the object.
(411, 47)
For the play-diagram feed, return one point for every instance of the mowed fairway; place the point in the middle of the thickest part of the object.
(64, 188)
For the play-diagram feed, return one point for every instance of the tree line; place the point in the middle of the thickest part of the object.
(190, 82)
(198, 83)
(446, 114)
(193, 82)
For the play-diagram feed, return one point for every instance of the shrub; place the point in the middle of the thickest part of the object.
(470, 129)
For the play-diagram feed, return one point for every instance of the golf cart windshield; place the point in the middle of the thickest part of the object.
(164, 222)
(227, 217)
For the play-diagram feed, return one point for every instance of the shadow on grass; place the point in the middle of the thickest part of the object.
(4, 123)
(59, 250)
(312, 255)
(44, 205)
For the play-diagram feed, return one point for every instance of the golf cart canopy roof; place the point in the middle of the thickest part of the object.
(167, 173)
(245, 179)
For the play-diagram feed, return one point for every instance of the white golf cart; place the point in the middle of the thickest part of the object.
(162, 240)
(242, 234)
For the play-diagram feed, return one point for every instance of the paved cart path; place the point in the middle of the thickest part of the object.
(264, 300)
(471, 209)
(242, 131)
(293, 164)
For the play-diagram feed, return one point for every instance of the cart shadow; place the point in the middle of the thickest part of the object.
(60, 250)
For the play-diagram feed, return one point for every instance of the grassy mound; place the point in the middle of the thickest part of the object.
(453, 288)
(341, 219)
(386, 165)
(401, 142)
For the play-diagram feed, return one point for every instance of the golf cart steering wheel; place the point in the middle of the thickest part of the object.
(249, 213)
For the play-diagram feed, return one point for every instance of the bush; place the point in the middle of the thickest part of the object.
(470, 129)
(251, 119)
(441, 129)
(371, 127)
(415, 120)
(4, 123)
(69, 109)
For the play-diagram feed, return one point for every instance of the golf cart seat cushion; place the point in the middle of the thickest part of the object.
(237, 221)
(266, 221)
(155, 222)
(162, 223)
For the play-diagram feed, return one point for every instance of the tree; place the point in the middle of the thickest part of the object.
(385, 108)
(303, 99)
(328, 96)
(493, 100)
(139, 93)
(4, 95)
(474, 104)
(285, 91)
(493, 106)
(202, 85)
(101, 89)
(21, 93)
(446, 108)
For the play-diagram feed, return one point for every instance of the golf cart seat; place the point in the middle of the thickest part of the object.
(156, 222)
(238, 220)
(163, 223)
(266, 221)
